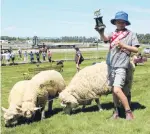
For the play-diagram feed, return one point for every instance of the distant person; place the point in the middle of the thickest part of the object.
(20, 52)
(12, 57)
(78, 58)
(25, 56)
(37, 56)
(49, 56)
(44, 55)
(1, 56)
(7, 56)
(31, 56)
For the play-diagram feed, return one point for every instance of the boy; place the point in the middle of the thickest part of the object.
(122, 43)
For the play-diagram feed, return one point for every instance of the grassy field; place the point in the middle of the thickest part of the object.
(91, 121)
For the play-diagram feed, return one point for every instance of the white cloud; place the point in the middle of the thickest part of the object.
(9, 28)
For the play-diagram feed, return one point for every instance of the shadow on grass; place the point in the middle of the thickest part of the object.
(137, 105)
(105, 106)
(48, 114)
(109, 106)
(37, 117)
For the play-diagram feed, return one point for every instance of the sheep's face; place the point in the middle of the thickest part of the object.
(68, 107)
(66, 98)
(11, 117)
(29, 110)
(28, 113)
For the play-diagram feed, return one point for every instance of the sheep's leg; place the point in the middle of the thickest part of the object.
(50, 103)
(83, 107)
(98, 104)
(43, 100)
(42, 114)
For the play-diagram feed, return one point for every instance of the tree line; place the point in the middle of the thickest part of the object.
(143, 38)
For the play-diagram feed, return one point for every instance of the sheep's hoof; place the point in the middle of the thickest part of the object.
(68, 113)
(83, 110)
(100, 110)
(43, 117)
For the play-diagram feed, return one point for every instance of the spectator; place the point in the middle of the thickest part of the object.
(25, 56)
(13, 57)
(7, 57)
(78, 59)
(38, 56)
(49, 56)
(20, 52)
(44, 55)
(31, 56)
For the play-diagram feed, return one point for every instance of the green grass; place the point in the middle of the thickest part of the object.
(91, 121)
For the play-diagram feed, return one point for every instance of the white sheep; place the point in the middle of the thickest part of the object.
(42, 86)
(89, 83)
(13, 113)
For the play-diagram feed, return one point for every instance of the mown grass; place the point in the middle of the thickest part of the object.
(91, 121)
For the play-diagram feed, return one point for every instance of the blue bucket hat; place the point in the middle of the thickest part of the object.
(120, 16)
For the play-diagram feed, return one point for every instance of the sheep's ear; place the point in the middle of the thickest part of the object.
(4, 109)
(37, 108)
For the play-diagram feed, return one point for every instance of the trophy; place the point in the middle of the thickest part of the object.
(99, 22)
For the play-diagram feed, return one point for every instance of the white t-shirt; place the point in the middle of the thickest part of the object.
(7, 56)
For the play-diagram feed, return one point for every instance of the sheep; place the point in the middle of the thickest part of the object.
(13, 113)
(42, 86)
(86, 85)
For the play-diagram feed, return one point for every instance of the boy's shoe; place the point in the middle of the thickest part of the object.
(129, 115)
(115, 115)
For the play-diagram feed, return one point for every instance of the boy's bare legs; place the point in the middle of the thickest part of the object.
(118, 94)
(78, 67)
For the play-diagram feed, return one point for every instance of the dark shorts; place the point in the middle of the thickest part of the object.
(78, 63)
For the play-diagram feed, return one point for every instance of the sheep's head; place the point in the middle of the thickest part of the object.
(28, 109)
(68, 101)
(11, 116)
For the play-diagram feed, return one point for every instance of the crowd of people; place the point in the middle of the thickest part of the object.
(38, 56)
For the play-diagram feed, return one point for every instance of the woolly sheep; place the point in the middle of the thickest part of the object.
(13, 113)
(42, 86)
(88, 84)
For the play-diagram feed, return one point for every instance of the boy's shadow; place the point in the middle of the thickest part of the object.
(109, 106)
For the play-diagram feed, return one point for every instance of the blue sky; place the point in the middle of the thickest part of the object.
(56, 18)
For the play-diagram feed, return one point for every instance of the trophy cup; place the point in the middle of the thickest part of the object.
(99, 22)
